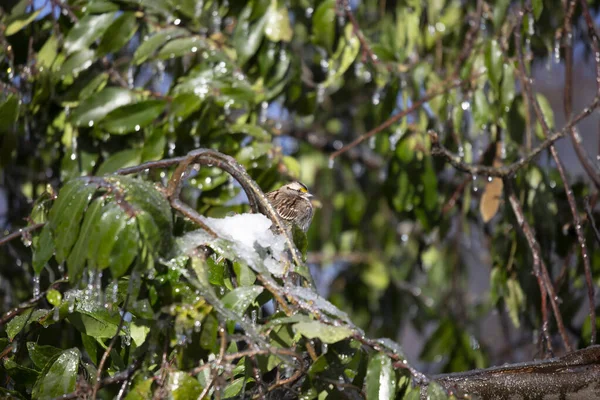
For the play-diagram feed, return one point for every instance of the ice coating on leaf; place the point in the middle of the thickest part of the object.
(247, 236)
(318, 302)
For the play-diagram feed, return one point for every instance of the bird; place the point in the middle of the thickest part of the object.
(292, 203)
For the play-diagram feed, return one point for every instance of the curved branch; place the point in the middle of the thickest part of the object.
(575, 375)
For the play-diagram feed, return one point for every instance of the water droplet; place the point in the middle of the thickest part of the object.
(556, 51)
(320, 93)
(36, 285)
(137, 128)
(372, 142)
(309, 12)
(465, 105)
(262, 116)
(91, 123)
(197, 326)
(331, 163)
(489, 178)
(376, 97)
(56, 314)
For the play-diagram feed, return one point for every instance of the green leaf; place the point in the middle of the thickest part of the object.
(152, 43)
(326, 333)
(381, 379)
(91, 222)
(94, 320)
(108, 232)
(21, 22)
(58, 376)
(11, 394)
(182, 46)
(508, 86)
(247, 38)
(54, 297)
(40, 355)
(347, 50)
(494, 62)
(121, 159)
(251, 130)
(324, 24)
(277, 26)
(66, 214)
(141, 391)
(241, 298)
(146, 197)
(547, 113)
(76, 63)
(118, 33)
(181, 386)
(86, 31)
(184, 104)
(538, 7)
(20, 374)
(125, 249)
(9, 112)
(96, 107)
(133, 117)
(515, 300)
(18, 323)
(235, 387)
(43, 249)
(91, 347)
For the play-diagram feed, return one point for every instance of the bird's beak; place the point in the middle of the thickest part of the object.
(308, 195)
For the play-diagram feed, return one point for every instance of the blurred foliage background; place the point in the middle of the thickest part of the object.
(409, 247)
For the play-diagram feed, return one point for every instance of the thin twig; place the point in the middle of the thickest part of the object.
(361, 37)
(110, 347)
(590, 217)
(398, 116)
(506, 170)
(540, 271)
(526, 82)
(21, 232)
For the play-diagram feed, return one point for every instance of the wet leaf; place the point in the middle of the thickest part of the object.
(381, 379)
(18, 323)
(277, 26)
(66, 215)
(40, 355)
(241, 298)
(133, 117)
(182, 46)
(77, 258)
(326, 333)
(324, 24)
(118, 33)
(96, 107)
(58, 376)
(152, 43)
(86, 31)
(248, 37)
(43, 249)
(77, 62)
(494, 62)
(121, 159)
(181, 386)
